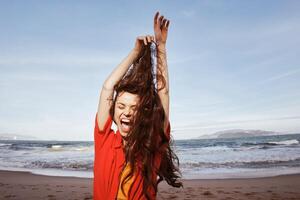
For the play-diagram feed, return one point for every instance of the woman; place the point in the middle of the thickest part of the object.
(128, 162)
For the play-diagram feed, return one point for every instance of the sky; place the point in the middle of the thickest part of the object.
(232, 64)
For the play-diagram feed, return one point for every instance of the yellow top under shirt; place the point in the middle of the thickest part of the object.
(124, 195)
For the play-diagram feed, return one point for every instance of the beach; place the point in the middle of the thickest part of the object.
(25, 185)
(223, 168)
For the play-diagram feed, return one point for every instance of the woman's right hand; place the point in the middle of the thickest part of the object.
(161, 26)
(142, 41)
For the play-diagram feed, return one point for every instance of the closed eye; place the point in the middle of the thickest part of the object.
(121, 107)
(134, 108)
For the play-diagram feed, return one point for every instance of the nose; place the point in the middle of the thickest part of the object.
(127, 112)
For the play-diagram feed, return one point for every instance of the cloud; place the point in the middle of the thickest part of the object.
(213, 124)
(59, 60)
(280, 76)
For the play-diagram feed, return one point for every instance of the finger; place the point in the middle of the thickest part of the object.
(155, 17)
(152, 38)
(164, 22)
(149, 38)
(160, 19)
(168, 23)
(145, 40)
(141, 39)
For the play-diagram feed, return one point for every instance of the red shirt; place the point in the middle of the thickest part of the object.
(109, 161)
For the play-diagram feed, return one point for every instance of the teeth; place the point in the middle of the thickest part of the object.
(125, 120)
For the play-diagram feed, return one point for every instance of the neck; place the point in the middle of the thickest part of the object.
(124, 142)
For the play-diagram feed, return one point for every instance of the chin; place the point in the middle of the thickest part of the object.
(123, 134)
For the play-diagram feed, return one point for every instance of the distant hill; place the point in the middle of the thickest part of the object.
(236, 133)
(9, 136)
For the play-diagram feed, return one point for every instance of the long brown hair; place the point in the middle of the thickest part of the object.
(147, 136)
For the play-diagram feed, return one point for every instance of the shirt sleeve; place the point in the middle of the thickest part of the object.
(100, 136)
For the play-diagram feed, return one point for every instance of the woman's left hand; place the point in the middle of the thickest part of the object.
(161, 26)
(141, 42)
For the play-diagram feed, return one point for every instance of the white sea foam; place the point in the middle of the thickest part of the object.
(82, 149)
(286, 142)
(56, 147)
(4, 144)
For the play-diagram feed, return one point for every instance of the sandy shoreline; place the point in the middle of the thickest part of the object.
(24, 185)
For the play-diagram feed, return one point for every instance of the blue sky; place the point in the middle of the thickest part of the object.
(232, 64)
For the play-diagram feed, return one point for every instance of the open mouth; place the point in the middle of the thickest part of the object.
(126, 124)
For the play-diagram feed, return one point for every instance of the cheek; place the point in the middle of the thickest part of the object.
(117, 113)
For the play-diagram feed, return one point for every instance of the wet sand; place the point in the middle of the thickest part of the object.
(24, 185)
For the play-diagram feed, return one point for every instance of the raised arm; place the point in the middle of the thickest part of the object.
(161, 26)
(107, 90)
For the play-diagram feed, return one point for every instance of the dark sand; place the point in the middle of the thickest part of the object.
(24, 185)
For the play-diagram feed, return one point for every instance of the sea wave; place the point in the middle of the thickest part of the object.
(71, 165)
(285, 142)
(4, 144)
(237, 164)
(70, 148)
(271, 143)
(83, 148)
(18, 147)
(203, 150)
(56, 147)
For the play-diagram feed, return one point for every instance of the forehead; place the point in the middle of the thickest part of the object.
(127, 98)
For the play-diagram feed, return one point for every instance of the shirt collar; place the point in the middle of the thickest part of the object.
(118, 141)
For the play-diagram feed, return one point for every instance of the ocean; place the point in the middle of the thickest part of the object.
(202, 158)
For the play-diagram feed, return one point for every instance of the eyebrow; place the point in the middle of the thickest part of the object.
(125, 105)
